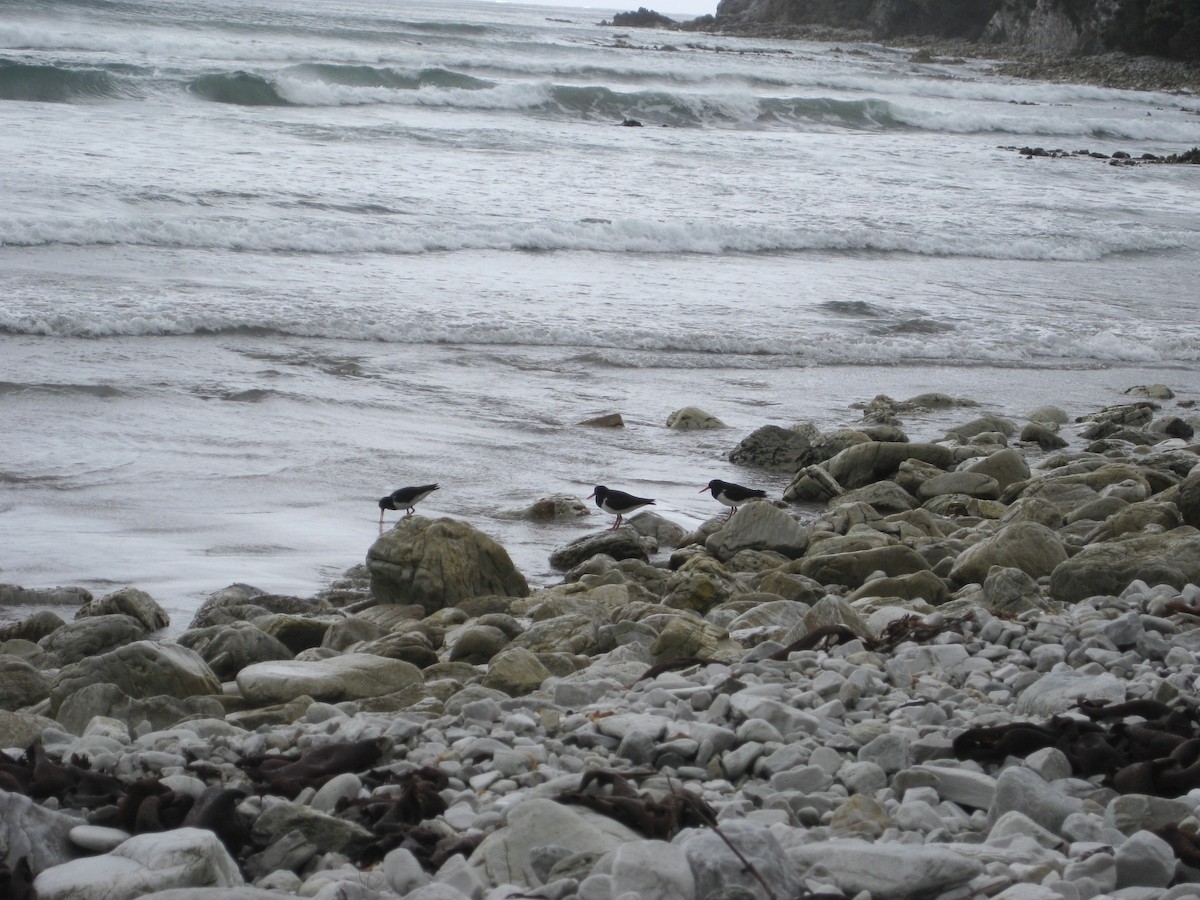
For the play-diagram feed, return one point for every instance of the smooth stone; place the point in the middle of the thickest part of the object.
(347, 677)
(329, 833)
(1034, 549)
(692, 418)
(861, 464)
(438, 562)
(652, 869)
(128, 601)
(1056, 692)
(504, 855)
(1145, 860)
(30, 831)
(1025, 791)
(713, 863)
(457, 873)
(144, 864)
(142, 669)
(92, 636)
(1106, 569)
(345, 786)
(759, 526)
(21, 684)
(903, 872)
(1130, 813)
(97, 838)
(404, 871)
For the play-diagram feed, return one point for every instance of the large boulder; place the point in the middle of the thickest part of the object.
(899, 871)
(160, 711)
(692, 418)
(230, 648)
(1136, 517)
(32, 628)
(759, 526)
(924, 585)
(438, 562)
(20, 729)
(21, 684)
(29, 830)
(758, 867)
(144, 864)
(699, 584)
(504, 856)
(1106, 569)
(128, 602)
(1066, 495)
(515, 671)
(982, 425)
(777, 449)
(812, 484)
(1188, 500)
(862, 464)
(1007, 466)
(556, 508)
(1028, 546)
(296, 632)
(972, 484)
(15, 595)
(854, 567)
(351, 676)
(885, 497)
(142, 669)
(242, 602)
(624, 543)
(330, 833)
(92, 636)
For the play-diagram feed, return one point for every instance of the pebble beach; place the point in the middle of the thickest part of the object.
(956, 668)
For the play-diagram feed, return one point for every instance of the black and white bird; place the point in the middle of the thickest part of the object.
(732, 495)
(405, 498)
(618, 503)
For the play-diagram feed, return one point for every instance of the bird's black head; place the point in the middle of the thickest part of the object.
(715, 486)
(386, 503)
(599, 492)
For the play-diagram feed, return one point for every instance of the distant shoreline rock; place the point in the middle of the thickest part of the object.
(1094, 65)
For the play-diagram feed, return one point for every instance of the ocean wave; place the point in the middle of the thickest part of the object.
(387, 77)
(736, 106)
(47, 83)
(104, 391)
(364, 232)
(686, 108)
(804, 341)
(239, 88)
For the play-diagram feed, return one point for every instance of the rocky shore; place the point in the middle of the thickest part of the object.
(952, 669)
(1113, 69)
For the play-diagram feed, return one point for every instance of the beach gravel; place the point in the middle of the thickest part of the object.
(970, 671)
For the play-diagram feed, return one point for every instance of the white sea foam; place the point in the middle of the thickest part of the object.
(321, 236)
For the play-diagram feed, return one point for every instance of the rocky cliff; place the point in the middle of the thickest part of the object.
(1163, 27)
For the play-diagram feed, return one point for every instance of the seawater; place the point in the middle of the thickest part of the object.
(262, 262)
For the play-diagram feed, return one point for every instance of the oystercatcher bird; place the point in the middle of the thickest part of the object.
(732, 495)
(618, 503)
(405, 498)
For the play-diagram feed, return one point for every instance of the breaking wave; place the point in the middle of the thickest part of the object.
(372, 234)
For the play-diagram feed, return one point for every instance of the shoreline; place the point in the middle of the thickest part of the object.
(1110, 70)
(925, 656)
